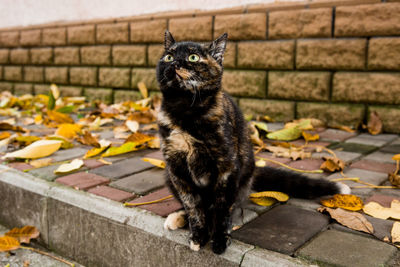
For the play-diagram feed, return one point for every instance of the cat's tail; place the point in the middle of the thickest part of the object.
(295, 184)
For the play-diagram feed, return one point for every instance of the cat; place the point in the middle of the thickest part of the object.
(206, 145)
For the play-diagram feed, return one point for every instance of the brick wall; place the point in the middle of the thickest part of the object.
(336, 60)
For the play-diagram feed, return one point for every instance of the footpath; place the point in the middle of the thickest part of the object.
(81, 214)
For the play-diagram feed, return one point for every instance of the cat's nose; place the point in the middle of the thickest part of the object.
(176, 65)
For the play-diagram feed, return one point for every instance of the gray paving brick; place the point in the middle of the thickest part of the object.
(343, 155)
(382, 137)
(47, 173)
(354, 147)
(283, 229)
(345, 249)
(306, 204)
(141, 183)
(376, 178)
(380, 157)
(67, 154)
(335, 135)
(391, 149)
(367, 140)
(122, 168)
(243, 216)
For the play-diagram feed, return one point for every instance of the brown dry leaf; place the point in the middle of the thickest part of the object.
(4, 135)
(88, 139)
(155, 143)
(139, 138)
(293, 153)
(24, 234)
(332, 164)
(376, 210)
(374, 124)
(156, 162)
(59, 117)
(352, 220)
(152, 126)
(8, 243)
(310, 137)
(145, 116)
(347, 202)
(395, 232)
(394, 179)
(68, 130)
(267, 198)
(39, 163)
(8, 126)
(343, 128)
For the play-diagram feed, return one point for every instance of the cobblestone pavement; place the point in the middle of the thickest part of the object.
(294, 228)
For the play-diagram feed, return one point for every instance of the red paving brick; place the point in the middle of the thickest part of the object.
(111, 193)
(82, 180)
(269, 156)
(21, 166)
(384, 200)
(307, 164)
(374, 166)
(162, 208)
(92, 163)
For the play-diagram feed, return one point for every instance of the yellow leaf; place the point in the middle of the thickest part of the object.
(104, 144)
(287, 134)
(65, 144)
(267, 198)
(395, 232)
(39, 163)
(125, 148)
(24, 234)
(347, 202)
(260, 125)
(394, 179)
(38, 119)
(396, 157)
(156, 162)
(143, 89)
(8, 126)
(332, 164)
(26, 140)
(4, 135)
(68, 130)
(55, 91)
(69, 167)
(302, 124)
(59, 117)
(38, 149)
(260, 163)
(8, 243)
(376, 210)
(310, 137)
(139, 138)
(353, 220)
(133, 126)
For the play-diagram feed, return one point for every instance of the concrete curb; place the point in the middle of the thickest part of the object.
(71, 221)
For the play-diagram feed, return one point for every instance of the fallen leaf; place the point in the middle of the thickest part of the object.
(66, 109)
(155, 143)
(347, 202)
(68, 130)
(54, 90)
(343, 128)
(332, 164)
(395, 232)
(104, 161)
(88, 139)
(139, 138)
(352, 220)
(396, 157)
(261, 163)
(156, 162)
(306, 123)
(125, 148)
(69, 167)
(64, 145)
(26, 140)
(310, 137)
(133, 126)
(376, 210)
(291, 152)
(394, 179)
(38, 149)
(255, 136)
(152, 126)
(59, 117)
(260, 125)
(38, 119)
(4, 135)
(104, 144)
(39, 163)
(374, 124)
(28, 121)
(143, 89)
(287, 134)
(267, 198)
(145, 116)
(8, 243)
(8, 126)
(24, 234)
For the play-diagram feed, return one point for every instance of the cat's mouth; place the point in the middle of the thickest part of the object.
(183, 73)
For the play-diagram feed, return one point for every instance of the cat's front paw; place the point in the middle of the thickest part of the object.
(194, 246)
(220, 243)
(175, 220)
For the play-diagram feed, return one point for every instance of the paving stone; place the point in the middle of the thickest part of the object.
(307, 204)
(106, 135)
(367, 140)
(111, 193)
(353, 147)
(82, 180)
(133, 154)
(21, 166)
(335, 135)
(275, 126)
(161, 208)
(155, 155)
(384, 200)
(380, 157)
(123, 168)
(344, 249)
(72, 153)
(307, 164)
(243, 216)
(376, 178)
(382, 137)
(268, 155)
(392, 149)
(343, 155)
(47, 173)
(374, 166)
(92, 163)
(302, 142)
(280, 229)
(247, 204)
(141, 183)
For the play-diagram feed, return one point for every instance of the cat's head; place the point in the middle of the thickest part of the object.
(191, 67)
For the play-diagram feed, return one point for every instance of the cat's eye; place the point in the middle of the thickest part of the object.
(193, 58)
(168, 58)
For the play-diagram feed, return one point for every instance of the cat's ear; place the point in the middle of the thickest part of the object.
(169, 40)
(217, 48)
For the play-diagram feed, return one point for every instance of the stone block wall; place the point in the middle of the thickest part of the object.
(336, 60)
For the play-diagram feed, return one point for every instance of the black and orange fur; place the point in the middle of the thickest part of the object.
(206, 144)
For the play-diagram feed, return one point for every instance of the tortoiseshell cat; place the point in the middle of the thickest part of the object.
(206, 144)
